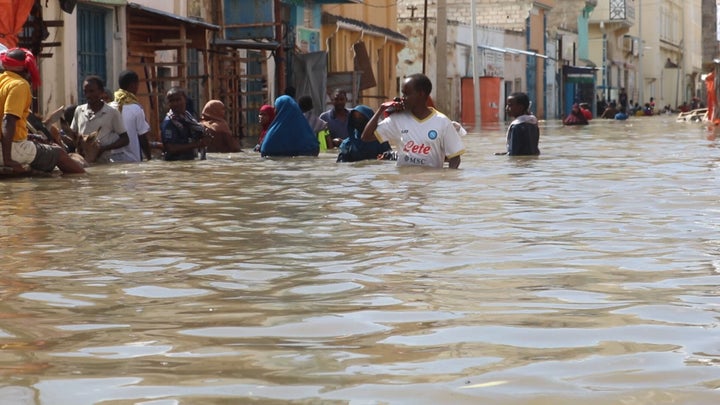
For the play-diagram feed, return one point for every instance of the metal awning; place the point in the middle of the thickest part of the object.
(155, 13)
(579, 74)
(588, 63)
(515, 51)
(360, 26)
(246, 44)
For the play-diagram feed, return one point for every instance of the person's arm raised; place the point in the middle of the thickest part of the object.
(368, 134)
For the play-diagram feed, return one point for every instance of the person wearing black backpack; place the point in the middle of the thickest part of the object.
(352, 148)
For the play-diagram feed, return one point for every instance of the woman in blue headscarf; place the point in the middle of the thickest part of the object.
(289, 134)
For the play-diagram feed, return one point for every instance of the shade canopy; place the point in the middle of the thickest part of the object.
(13, 14)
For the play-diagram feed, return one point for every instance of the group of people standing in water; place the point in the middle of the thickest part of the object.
(421, 135)
(580, 113)
(118, 131)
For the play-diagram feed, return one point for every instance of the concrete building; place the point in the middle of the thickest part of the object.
(710, 35)
(522, 45)
(517, 59)
(671, 51)
(651, 48)
(611, 49)
(568, 25)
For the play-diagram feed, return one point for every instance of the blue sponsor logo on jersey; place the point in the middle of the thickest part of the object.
(432, 134)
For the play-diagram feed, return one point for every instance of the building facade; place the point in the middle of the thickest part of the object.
(652, 49)
(220, 49)
(516, 60)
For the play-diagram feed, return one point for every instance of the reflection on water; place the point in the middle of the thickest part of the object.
(587, 274)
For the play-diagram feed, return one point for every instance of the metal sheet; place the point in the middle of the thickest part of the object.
(249, 19)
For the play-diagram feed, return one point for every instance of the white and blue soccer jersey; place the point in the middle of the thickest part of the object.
(418, 142)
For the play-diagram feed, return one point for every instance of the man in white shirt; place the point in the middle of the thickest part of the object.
(422, 135)
(133, 115)
(96, 116)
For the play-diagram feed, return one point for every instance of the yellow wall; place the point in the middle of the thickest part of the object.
(383, 52)
(382, 13)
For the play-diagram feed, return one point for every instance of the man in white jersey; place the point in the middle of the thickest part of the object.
(422, 135)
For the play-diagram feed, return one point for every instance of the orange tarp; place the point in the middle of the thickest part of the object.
(711, 96)
(13, 14)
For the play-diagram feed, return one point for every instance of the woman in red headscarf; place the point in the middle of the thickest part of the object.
(265, 117)
(213, 118)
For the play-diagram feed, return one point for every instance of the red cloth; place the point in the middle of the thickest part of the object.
(28, 63)
(270, 111)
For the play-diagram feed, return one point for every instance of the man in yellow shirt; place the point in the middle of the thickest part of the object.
(15, 98)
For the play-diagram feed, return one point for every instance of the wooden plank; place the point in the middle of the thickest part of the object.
(167, 78)
(139, 53)
(182, 41)
(162, 45)
(153, 27)
(155, 64)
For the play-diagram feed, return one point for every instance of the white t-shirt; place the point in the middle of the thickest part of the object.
(110, 123)
(136, 125)
(418, 142)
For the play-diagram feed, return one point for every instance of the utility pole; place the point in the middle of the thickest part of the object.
(680, 64)
(424, 36)
(441, 82)
(474, 55)
(641, 78)
(605, 76)
(281, 53)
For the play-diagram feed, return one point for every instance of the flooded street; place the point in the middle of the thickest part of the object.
(587, 275)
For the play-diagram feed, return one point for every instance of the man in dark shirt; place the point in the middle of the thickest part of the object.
(523, 134)
(182, 134)
(337, 118)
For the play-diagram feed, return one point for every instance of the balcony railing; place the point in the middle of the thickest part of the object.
(622, 11)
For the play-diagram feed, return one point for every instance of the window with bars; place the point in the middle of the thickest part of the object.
(91, 44)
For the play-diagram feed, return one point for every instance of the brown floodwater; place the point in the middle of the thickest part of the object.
(587, 275)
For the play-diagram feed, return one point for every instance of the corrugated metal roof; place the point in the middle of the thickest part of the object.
(175, 17)
(328, 18)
